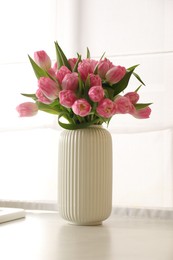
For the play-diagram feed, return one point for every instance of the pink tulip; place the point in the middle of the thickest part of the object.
(96, 93)
(115, 74)
(93, 64)
(142, 113)
(67, 98)
(42, 59)
(106, 108)
(81, 107)
(55, 66)
(42, 98)
(60, 74)
(95, 80)
(72, 62)
(123, 105)
(86, 67)
(103, 67)
(70, 81)
(132, 96)
(49, 88)
(27, 109)
(51, 72)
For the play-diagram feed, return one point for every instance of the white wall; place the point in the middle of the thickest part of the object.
(137, 32)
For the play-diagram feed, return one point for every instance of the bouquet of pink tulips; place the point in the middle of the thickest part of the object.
(82, 91)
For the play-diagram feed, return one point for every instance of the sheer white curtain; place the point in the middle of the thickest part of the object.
(131, 32)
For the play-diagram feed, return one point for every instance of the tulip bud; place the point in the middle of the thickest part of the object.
(142, 113)
(81, 107)
(84, 69)
(27, 109)
(60, 74)
(132, 96)
(123, 105)
(70, 81)
(67, 98)
(41, 98)
(42, 59)
(95, 80)
(103, 67)
(72, 62)
(96, 93)
(106, 108)
(49, 87)
(115, 74)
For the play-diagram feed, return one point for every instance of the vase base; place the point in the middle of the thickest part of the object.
(97, 223)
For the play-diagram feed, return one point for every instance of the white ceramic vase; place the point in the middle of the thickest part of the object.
(85, 175)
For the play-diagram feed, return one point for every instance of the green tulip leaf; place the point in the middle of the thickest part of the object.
(58, 57)
(102, 56)
(96, 67)
(86, 88)
(137, 76)
(142, 105)
(88, 53)
(77, 63)
(61, 58)
(48, 108)
(81, 86)
(138, 88)
(39, 72)
(133, 67)
(33, 96)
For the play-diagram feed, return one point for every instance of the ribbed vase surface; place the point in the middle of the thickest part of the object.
(85, 175)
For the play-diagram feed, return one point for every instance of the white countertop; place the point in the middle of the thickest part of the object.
(45, 236)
